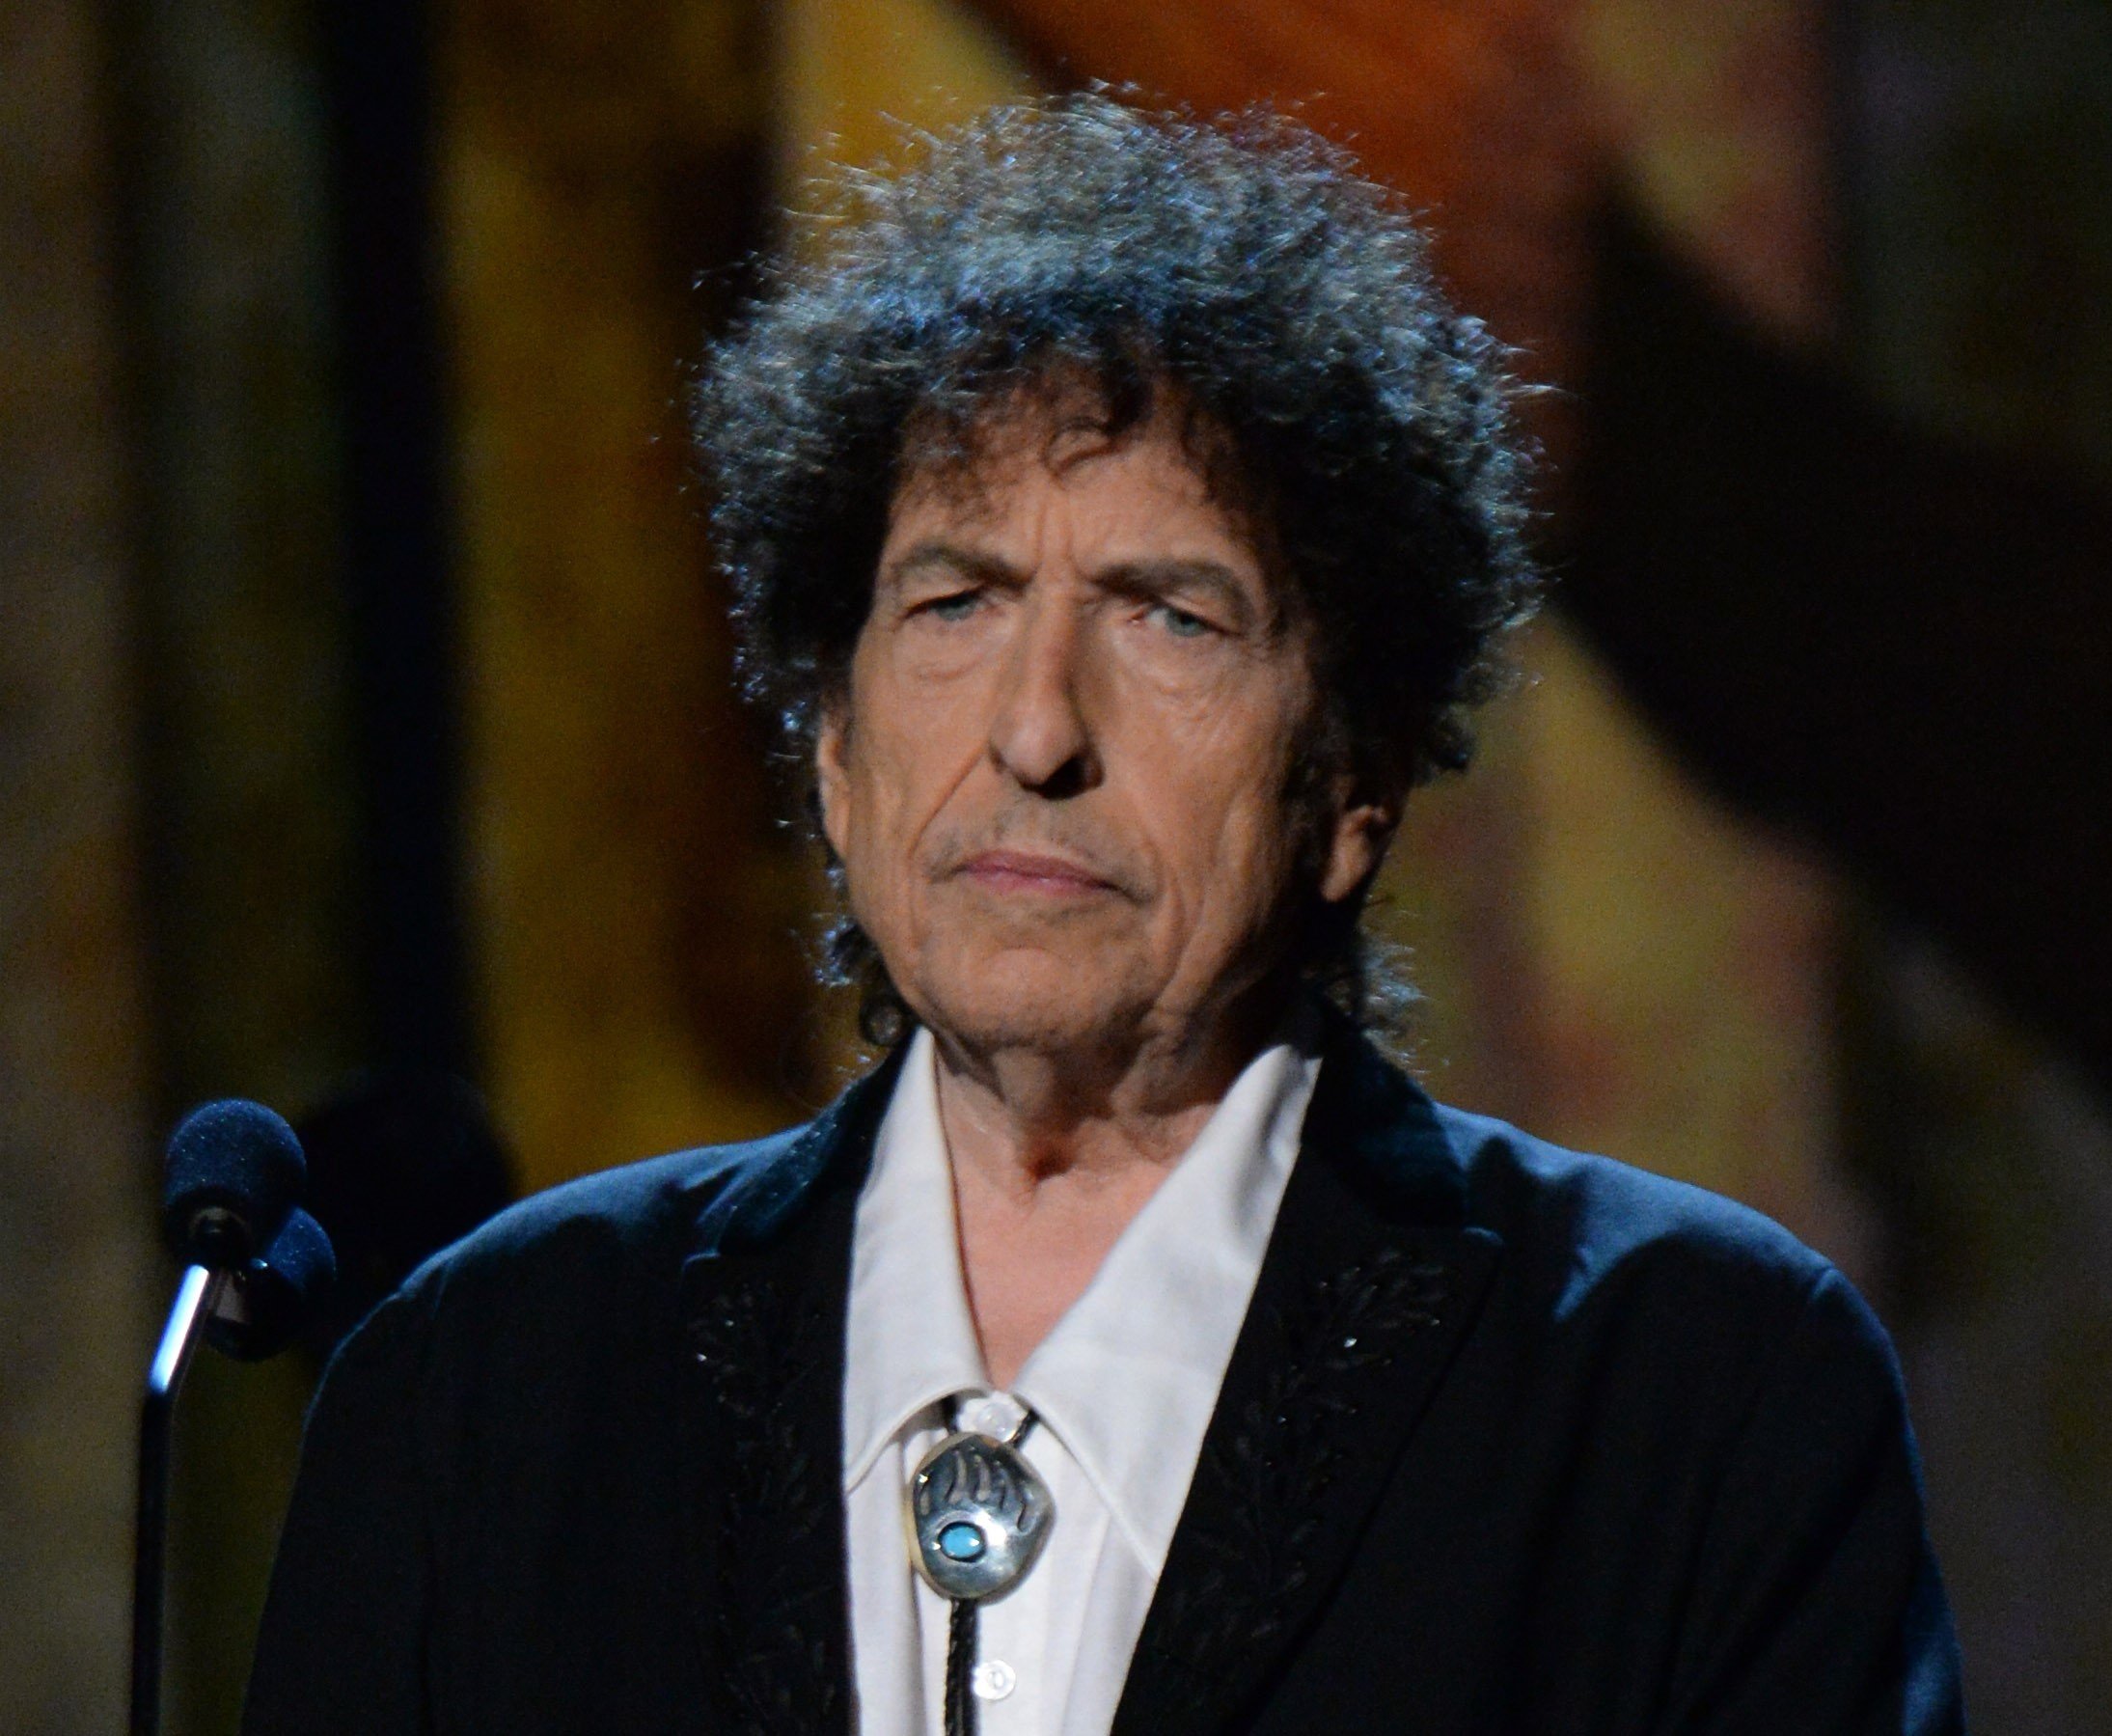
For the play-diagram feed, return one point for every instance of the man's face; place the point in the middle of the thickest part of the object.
(1059, 781)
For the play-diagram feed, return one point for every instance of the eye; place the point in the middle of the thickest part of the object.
(1178, 621)
(956, 605)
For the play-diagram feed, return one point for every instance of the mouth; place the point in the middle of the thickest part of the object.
(1029, 874)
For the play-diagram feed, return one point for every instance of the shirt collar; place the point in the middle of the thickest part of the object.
(1128, 1377)
(909, 1339)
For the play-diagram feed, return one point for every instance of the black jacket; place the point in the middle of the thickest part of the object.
(1513, 1440)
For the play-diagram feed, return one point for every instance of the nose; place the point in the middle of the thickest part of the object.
(1039, 735)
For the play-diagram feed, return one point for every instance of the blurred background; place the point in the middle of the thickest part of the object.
(365, 743)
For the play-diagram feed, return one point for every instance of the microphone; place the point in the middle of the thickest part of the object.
(254, 1267)
(235, 1169)
(266, 1305)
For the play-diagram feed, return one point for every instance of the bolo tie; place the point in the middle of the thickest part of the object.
(979, 1514)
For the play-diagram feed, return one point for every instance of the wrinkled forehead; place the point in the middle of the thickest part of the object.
(965, 457)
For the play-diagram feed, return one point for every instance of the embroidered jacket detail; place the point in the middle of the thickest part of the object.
(1278, 1464)
(758, 1347)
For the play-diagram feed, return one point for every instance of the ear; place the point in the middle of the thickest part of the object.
(1356, 846)
(832, 774)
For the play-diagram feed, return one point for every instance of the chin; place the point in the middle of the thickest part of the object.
(1025, 1000)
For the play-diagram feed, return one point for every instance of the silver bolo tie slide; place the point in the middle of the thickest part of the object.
(979, 1514)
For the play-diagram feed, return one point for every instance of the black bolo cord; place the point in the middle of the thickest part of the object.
(960, 1669)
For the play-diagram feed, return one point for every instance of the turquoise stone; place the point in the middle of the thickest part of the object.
(961, 1541)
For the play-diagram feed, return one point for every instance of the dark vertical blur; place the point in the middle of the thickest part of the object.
(378, 77)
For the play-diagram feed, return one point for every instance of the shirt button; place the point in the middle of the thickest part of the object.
(994, 1679)
(996, 1414)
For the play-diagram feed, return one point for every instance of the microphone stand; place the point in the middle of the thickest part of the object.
(196, 1297)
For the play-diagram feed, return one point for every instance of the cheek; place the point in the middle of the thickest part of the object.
(907, 760)
(1235, 836)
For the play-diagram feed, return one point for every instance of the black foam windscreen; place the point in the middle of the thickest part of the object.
(271, 1301)
(235, 1169)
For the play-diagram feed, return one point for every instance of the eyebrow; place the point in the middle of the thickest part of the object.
(938, 553)
(1147, 578)
(1164, 578)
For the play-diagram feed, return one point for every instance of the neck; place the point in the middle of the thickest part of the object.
(1053, 1156)
(1023, 1123)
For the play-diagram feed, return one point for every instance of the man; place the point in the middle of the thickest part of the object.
(1120, 524)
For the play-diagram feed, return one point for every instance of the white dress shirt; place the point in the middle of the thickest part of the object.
(1123, 1387)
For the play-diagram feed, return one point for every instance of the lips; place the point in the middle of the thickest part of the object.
(1032, 872)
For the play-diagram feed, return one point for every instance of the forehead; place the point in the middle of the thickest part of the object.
(1166, 475)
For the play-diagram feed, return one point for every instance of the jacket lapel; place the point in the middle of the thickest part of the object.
(763, 1298)
(1370, 1281)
